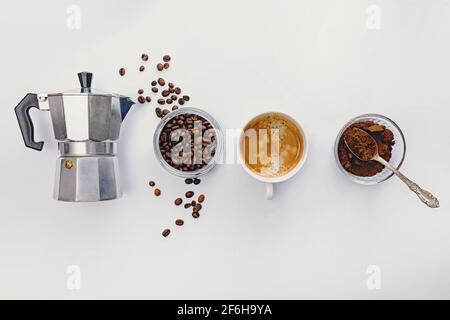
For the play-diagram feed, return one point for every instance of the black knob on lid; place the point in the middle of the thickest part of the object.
(85, 81)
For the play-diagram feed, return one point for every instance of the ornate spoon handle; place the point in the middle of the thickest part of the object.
(424, 195)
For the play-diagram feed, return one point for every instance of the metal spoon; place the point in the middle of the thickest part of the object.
(424, 195)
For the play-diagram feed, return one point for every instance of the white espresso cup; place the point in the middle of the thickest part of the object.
(270, 181)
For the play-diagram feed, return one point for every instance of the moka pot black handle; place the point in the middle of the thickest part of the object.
(25, 123)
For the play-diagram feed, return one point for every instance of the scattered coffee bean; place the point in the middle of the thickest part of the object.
(166, 112)
(144, 57)
(171, 85)
(157, 192)
(161, 101)
(175, 107)
(189, 194)
(159, 112)
(140, 91)
(180, 101)
(193, 203)
(177, 90)
(166, 58)
(141, 68)
(173, 97)
(141, 99)
(197, 207)
(171, 90)
(160, 67)
(165, 93)
(188, 181)
(122, 71)
(178, 201)
(148, 99)
(186, 98)
(197, 181)
(151, 183)
(195, 214)
(155, 89)
(179, 222)
(169, 101)
(154, 83)
(201, 198)
(161, 82)
(166, 232)
(166, 65)
(187, 205)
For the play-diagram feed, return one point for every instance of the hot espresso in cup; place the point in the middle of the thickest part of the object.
(272, 145)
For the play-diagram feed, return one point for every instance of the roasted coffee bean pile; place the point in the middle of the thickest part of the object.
(201, 145)
(170, 98)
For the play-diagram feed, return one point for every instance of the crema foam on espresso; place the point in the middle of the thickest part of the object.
(273, 145)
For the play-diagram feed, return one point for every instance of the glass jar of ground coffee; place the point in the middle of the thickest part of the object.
(390, 142)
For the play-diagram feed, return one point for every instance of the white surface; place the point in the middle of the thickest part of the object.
(315, 60)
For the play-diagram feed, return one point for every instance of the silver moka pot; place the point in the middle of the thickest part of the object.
(86, 124)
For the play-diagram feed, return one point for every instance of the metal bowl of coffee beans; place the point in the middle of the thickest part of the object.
(188, 142)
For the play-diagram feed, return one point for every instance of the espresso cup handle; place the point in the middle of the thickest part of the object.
(269, 191)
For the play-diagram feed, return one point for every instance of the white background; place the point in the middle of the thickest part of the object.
(315, 60)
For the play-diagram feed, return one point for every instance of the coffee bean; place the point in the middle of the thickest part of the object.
(201, 198)
(177, 90)
(154, 83)
(171, 85)
(171, 90)
(148, 99)
(197, 207)
(141, 99)
(166, 58)
(189, 194)
(165, 93)
(173, 97)
(169, 101)
(166, 65)
(140, 91)
(151, 183)
(155, 89)
(197, 181)
(188, 181)
(161, 101)
(179, 222)
(187, 205)
(122, 71)
(186, 98)
(193, 203)
(144, 57)
(178, 201)
(157, 192)
(180, 101)
(166, 232)
(166, 112)
(175, 107)
(141, 68)
(161, 82)
(160, 67)
(195, 214)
